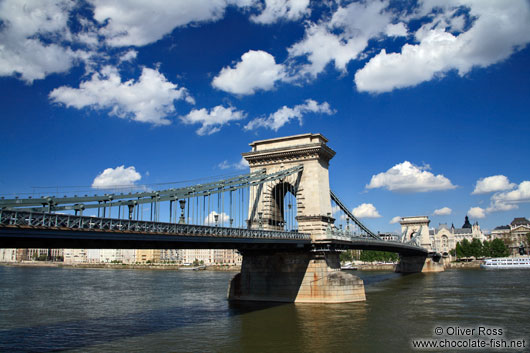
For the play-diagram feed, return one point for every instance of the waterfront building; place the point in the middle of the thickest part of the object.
(145, 255)
(227, 257)
(93, 256)
(75, 256)
(513, 234)
(33, 254)
(128, 256)
(211, 256)
(171, 255)
(190, 255)
(8, 255)
(117, 255)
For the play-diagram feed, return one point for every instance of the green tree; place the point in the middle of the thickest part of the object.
(486, 248)
(458, 250)
(346, 256)
(475, 248)
(373, 256)
(42, 257)
(498, 248)
(466, 248)
(196, 262)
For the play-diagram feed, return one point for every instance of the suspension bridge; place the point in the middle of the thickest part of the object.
(282, 216)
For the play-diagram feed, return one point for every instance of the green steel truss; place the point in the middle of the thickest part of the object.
(352, 217)
(79, 203)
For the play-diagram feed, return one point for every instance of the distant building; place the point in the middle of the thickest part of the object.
(145, 255)
(389, 236)
(171, 255)
(33, 254)
(212, 256)
(513, 234)
(442, 239)
(75, 256)
(8, 255)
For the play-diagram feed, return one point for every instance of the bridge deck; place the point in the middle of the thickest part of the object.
(22, 229)
(51, 230)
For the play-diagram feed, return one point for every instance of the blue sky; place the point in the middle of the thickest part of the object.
(425, 102)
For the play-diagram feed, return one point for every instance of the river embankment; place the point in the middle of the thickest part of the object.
(390, 267)
(164, 267)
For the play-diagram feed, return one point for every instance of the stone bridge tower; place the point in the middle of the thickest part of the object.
(303, 276)
(310, 187)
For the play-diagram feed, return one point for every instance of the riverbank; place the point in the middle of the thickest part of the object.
(375, 267)
(164, 267)
(467, 264)
(448, 265)
(176, 267)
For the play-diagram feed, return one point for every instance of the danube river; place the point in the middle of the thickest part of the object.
(95, 310)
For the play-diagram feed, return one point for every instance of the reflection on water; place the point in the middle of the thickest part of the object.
(50, 309)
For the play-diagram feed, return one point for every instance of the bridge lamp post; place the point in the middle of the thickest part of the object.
(182, 203)
(260, 220)
(231, 222)
(216, 218)
(290, 206)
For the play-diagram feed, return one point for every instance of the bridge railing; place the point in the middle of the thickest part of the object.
(84, 223)
(348, 235)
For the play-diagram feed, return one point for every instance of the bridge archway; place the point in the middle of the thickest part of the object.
(310, 187)
(283, 206)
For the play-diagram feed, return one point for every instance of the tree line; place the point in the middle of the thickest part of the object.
(369, 256)
(464, 248)
(476, 248)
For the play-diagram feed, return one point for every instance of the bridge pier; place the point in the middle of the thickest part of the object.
(414, 264)
(300, 277)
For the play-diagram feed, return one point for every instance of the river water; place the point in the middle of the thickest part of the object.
(103, 310)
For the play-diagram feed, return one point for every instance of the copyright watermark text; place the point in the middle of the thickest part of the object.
(478, 337)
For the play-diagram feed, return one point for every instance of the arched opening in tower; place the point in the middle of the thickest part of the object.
(284, 208)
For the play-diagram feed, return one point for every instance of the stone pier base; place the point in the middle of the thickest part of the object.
(299, 277)
(413, 264)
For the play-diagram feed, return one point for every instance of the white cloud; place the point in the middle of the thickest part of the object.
(129, 55)
(222, 219)
(139, 23)
(116, 177)
(499, 29)
(276, 10)
(212, 120)
(366, 210)
(241, 165)
(406, 177)
(257, 70)
(149, 100)
(26, 31)
(508, 200)
(395, 220)
(341, 39)
(492, 184)
(396, 30)
(504, 201)
(476, 212)
(283, 115)
(224, 165)
(444, 211)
